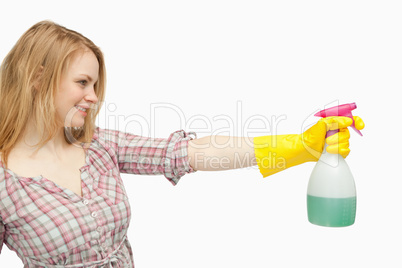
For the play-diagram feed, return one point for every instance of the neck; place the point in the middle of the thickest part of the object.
(28, 143)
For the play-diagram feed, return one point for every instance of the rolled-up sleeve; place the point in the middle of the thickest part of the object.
(175, 158)
(149, 156)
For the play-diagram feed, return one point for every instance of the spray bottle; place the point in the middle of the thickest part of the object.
(331, 193)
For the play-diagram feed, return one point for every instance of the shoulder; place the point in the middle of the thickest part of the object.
(102, 134)
(106, 137)
(109, 138)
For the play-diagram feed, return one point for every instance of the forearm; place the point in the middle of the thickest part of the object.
(213, 153)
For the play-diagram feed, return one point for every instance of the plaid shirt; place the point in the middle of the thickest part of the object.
(51, 226)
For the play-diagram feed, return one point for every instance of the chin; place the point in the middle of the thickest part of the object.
(77, 122)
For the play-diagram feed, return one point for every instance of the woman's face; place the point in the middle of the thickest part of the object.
(77, 88)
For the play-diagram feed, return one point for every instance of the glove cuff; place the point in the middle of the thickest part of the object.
(279, 152)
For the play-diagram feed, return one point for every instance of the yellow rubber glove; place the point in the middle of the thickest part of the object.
(279, 152)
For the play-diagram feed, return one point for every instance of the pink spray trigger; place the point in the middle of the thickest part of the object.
(340, 110)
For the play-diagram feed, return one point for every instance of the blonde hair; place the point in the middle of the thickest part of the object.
(29, 79)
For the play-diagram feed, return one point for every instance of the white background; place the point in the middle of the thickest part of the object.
(276, 59)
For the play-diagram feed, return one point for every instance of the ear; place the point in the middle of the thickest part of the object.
(38, 78)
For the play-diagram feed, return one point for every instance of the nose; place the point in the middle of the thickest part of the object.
(91, 96)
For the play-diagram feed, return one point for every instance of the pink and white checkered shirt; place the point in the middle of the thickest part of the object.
(51, 226)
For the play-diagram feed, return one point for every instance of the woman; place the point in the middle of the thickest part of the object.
(62, 201)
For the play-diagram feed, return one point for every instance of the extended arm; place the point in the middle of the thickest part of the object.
(213, 153)
(272, 153)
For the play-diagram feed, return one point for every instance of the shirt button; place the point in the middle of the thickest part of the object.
(104, 245)
(99, 229)
(94, 214)
(85, 201)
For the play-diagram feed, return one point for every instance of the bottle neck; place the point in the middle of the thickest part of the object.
(330, 159)
(331, 132)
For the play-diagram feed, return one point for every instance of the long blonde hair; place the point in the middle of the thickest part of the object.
(46, 49)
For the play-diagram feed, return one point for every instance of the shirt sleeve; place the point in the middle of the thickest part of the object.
(149, 156)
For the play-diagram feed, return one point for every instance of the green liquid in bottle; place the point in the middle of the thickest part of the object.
(331, 212)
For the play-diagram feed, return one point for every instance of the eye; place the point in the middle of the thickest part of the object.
(83, 82)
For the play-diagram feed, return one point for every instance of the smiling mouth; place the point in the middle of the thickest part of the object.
(80, 108)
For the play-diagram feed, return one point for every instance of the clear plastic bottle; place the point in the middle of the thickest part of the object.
(331, 193)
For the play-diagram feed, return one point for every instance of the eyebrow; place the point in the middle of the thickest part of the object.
(88, 77)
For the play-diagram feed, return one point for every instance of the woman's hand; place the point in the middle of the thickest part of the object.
(314, 138)
(277, 153)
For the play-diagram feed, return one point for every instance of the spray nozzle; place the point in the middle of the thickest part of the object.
(340, 110)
